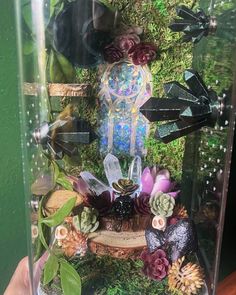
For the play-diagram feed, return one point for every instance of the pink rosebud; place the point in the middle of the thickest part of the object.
(143, 53)
(126, 42)
(112, 54)
(155, 264)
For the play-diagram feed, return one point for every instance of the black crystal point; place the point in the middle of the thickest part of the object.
(123, 207)
(81, 31)
(177, 240)
(187, 109)
(194, 25)
(62, 136)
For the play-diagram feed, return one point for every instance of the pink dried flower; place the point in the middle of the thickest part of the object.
(155, 264)
(112, 54)
(143, 53)
(126, 42)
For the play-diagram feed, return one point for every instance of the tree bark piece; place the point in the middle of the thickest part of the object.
(58, 198)
(58, 89)
(136, 223)
(121, 245)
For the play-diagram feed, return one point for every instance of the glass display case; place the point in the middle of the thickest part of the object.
(128, 113)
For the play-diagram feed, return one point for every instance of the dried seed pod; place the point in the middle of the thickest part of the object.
(185, 279)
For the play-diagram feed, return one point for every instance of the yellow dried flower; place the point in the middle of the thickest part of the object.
(187, 279)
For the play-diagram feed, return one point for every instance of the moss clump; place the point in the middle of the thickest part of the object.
(112, 276)
(173, 59)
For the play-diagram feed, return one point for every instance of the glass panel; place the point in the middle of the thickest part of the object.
(127, 136)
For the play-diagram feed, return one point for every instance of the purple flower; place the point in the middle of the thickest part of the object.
(102, 203)
(112, 54)
(126, 42)
(141, 204)
(155, 264)
(143, 53)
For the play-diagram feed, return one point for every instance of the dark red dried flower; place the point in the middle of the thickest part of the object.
(155, 264)
(126, 42)
(102, 203)
(143, 53)
(112, 54)
(141, 204)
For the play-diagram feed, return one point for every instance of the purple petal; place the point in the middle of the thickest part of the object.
(154, 170)
(161, 185)
(174, 194)
(164, 173)
(147, 181)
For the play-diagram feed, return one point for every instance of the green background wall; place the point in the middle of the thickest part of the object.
(12, 216)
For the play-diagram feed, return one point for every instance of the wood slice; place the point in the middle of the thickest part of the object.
(58, 198)
(122, 245)
(136, 223)
(59, 89)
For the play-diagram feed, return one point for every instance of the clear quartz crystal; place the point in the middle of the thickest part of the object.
(112, 169)
(94, 184)
(135, 171)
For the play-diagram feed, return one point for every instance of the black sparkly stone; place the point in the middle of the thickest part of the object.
(123, 207)
(177, 240)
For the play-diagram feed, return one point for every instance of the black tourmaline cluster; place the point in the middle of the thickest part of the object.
(123, 206)
(62, 136)
(194, 25)
(187, 109)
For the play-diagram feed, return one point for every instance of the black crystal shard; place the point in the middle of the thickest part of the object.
(174, 130)
(195, 83)
(80, 132)
(196, 113)
(82, 30)
(177, 240)
(62, 136)
(188, 109)
(163, 109)
(176, 90)
(194, 25)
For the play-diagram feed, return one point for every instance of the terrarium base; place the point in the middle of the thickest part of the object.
(122, 245)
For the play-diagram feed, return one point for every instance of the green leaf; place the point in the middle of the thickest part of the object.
(45, 235)
(26, 13)
(70, 279)
(28, 47)
(63, 181)
(56, 170)
(58, 217)
(40, 226)
(60, 69)
(50, 269)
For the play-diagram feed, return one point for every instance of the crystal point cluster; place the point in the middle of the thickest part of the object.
(194, 25)
(187, 109)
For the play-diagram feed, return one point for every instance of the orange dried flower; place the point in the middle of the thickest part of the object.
(180, 212)
(74, 243)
